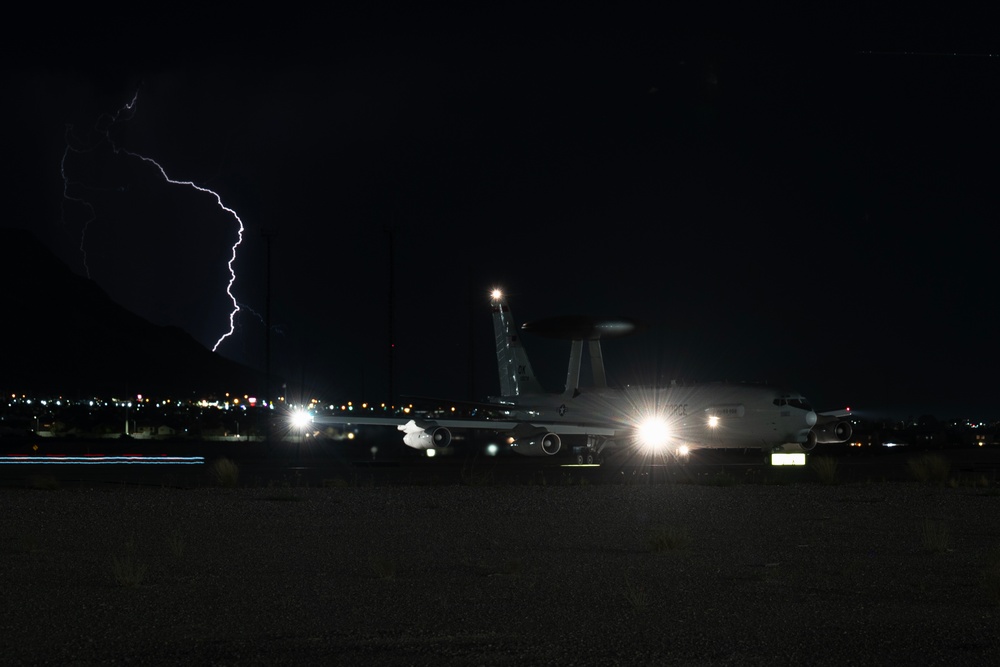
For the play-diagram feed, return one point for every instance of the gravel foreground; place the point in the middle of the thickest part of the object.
(482, 575)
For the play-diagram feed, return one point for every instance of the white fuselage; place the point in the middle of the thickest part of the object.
(704, 415)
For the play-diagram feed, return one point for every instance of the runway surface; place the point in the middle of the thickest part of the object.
(190, 464)
(486, 573)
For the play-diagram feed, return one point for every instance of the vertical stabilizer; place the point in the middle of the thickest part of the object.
(573, 372)
(516, 376)
(597, 363)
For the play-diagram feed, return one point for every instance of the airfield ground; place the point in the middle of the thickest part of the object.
(503, 574)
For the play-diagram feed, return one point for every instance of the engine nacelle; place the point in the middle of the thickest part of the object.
(831, 431)
(811, 441)
(425, 435)
(538, 443)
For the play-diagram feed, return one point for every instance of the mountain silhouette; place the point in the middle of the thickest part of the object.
(63, 335)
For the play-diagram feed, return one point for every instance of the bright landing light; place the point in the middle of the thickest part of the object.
(654, 433)
(301, 419)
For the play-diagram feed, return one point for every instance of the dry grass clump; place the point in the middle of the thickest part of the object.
(825, 468)
(722, 479)
(668, 539)
(512, 568)
(126, 569)
(934, 535)
(42, 483)
(635, 594)
(382, 567)
(176, 543)
(991, 578)
(225, 473)
(27, 543)
(929, 469)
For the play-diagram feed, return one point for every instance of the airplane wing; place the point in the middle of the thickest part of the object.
(525, 437)
(429, 402)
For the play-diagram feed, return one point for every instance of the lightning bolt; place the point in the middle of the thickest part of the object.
(104, 125)
(232, 257)
(276, 328)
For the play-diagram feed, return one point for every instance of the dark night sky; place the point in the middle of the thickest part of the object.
(814, 209)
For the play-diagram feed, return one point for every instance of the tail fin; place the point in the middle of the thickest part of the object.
(516, 376)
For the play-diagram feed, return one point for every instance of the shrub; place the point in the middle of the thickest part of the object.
(934, 535)
(721, 479)
(43, 483)
(225, 473)
(477, 473)
(636, 594)
(668, 539)
(383, 567)
(929, 469)
(175, 541)
(991, 578)
(825, 468)
(126, 569)
(27, 543)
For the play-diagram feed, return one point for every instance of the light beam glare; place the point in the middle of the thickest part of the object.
(104, 125)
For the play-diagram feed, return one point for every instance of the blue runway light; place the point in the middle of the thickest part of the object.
(102, 460)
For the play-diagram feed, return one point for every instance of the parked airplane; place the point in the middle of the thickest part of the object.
(674, 418)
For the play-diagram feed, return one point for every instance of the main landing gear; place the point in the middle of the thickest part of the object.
(590, 454)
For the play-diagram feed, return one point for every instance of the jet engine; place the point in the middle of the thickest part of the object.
(533, 441)
(829, 431)
(425, 435)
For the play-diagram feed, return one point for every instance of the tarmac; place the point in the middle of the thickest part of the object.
(714, 570)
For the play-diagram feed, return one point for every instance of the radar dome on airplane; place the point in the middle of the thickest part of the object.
(581, 327)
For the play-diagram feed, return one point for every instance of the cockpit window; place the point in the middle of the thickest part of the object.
(799, 403)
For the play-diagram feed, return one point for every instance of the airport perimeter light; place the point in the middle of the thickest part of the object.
(301, 420)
